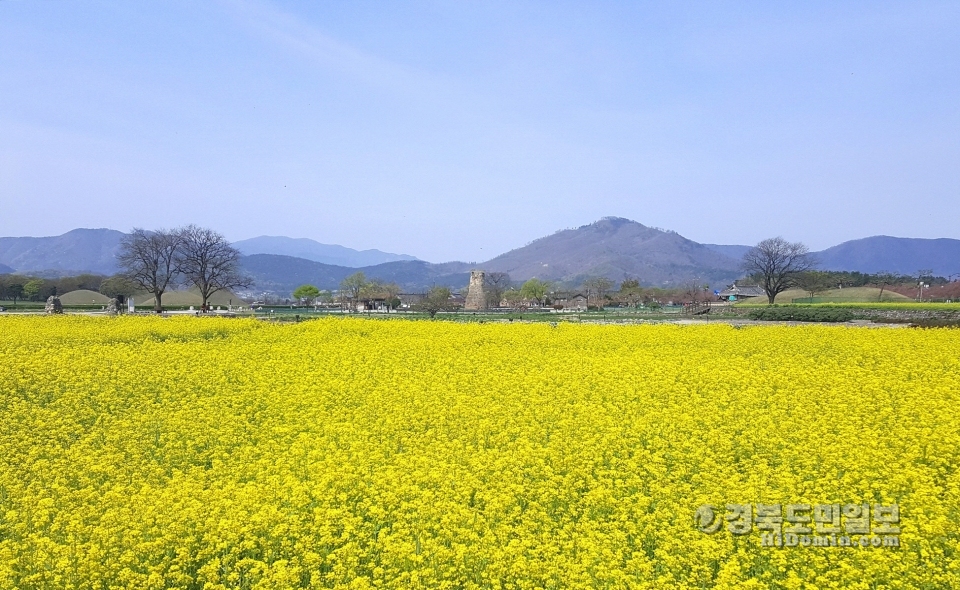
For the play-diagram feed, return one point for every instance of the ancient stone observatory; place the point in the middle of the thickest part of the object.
(476, 296)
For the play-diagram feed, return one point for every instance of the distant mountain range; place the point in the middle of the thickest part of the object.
(612, 247)
(282, 274)
(735, 251)
(317, 252)
(77, 251)
(616, 248)
(905, 256)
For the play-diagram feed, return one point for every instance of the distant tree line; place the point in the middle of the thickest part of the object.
(17, 287)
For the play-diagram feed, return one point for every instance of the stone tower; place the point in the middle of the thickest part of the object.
(476, 296)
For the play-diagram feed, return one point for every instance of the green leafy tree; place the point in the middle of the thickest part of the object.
(14, 291)
(32, 288)
(535, 290)
(306, 293)
(436, 300)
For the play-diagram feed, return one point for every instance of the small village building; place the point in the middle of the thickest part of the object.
(737, 292)
(408, 300)
(372, 304)
(570, 300)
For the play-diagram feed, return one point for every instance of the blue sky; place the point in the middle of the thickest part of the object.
(452, 130)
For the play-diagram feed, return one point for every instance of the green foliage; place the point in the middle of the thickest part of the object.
(437, 299)
(306, 292)
(802, 314)
(860, 279)
(13, 290)
(535, 289)
(32, 288)
(893, 305)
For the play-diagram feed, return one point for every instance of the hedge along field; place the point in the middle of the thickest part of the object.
(874, 305)
(213, 453)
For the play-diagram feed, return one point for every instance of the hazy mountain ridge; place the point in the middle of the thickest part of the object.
(611, 247)
(904, 256)
(735, 251)
(77, 251)
(282, 274)
(616, 248)
(317, 252)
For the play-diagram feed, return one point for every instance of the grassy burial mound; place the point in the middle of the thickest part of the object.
(190, 297)
(845, 295)
(84, 297)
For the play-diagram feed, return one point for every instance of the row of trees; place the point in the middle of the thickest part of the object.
(14, 287)
(353, 289)
(17, 287)
(599, 291)
(356, 288)
(157, 261)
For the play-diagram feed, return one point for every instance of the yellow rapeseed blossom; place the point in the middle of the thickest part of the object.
(215, 453)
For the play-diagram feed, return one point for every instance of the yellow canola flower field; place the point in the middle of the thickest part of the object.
(216, 453)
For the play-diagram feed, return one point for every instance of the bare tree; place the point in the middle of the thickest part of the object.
(814, 282)
(515, 299)
(630, 292)
(694, 291)
(352, 286)
(209, 262)
(885, 278)
(150, 260)
(599, 287)
(495, 285)
(777, 263)
(391, 292)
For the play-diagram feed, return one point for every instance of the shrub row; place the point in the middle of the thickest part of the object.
(802, 314)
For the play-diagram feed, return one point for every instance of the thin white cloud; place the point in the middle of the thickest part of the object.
(298, 37)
